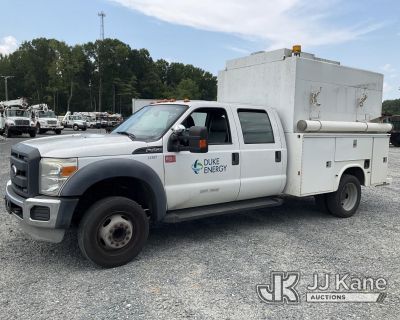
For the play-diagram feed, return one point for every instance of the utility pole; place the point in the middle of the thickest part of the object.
(5, 85)
(101, 15)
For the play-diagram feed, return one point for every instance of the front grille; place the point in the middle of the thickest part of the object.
(51, 122)
(24, 170)
(22, 122)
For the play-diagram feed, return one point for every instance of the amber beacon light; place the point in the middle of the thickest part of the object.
(296, 49)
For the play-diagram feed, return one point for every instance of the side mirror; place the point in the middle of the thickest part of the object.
(198, 140)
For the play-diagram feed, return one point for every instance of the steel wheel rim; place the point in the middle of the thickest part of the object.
(348, 196)
(115, 232)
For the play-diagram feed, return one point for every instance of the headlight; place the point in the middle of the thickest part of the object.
(10, 123)
(54, 173)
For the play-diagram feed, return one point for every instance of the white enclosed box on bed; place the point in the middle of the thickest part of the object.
(325, 110)
(302, 87)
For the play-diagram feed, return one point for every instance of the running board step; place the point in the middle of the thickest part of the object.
(220, 209)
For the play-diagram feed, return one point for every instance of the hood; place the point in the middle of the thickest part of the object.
(85, 145)
(47, 119)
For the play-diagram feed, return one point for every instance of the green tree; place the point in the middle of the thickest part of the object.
(187, 89)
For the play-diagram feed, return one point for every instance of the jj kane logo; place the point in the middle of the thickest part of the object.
(325, 287)
(212, 165)
(281, 289)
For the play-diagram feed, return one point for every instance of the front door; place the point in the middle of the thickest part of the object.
(197, 179)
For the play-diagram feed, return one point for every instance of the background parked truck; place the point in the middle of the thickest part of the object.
(15, 118)
(46, 119)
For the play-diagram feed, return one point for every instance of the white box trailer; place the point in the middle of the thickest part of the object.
(325, 109)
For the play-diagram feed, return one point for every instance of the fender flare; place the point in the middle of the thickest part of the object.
(101, 170)
(346, 167)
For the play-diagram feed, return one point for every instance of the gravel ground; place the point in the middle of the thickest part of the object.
(208, 269)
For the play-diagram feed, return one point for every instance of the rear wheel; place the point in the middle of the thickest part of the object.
(345, 201)
(395, 139)
(84, 129)
(75, 127)
(113, 231)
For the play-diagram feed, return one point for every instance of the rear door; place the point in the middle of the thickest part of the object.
(261, 157)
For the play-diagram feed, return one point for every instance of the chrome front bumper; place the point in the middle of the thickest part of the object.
(21, 208)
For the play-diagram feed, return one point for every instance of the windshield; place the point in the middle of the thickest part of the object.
(47, 114)
(76, 118)
(17, 113)
(151, 122)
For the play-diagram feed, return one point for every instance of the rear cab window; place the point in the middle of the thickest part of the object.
(256, 126)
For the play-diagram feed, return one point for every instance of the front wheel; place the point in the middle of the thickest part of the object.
(58, 131)
(75, 127)
(113, 231)
(83, 128)
(345, 201)
(32, 133)
(7, 132)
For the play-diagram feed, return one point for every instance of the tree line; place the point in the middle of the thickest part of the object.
(106, 73)
(391, 107)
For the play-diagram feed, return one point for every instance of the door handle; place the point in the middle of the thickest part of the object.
(235, 158)
(278, 156)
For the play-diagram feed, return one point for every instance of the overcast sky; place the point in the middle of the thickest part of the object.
(205, 33)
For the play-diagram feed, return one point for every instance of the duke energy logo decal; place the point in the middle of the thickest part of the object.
(197, 166)
(207, 166)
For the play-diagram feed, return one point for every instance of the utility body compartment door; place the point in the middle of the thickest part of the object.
(380, 160)
(317, 173)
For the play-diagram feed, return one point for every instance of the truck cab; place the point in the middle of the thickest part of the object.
(16, 119)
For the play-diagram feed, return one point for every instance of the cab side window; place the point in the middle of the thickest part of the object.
(215, 120)
(256, 126)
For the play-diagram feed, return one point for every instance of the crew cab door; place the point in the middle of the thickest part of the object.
(198, 179)
(262, 156)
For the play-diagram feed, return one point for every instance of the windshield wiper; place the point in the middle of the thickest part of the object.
(130, 135)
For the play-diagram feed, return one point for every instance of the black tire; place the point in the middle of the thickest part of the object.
(32, 133)
(395, 139)
(58, 131)
(75, 127)
(345, 201)
(320, 201)
(99, 217)
(84, 129)
(7, 132)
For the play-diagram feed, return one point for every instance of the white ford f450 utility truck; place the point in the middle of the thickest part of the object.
(285, 124)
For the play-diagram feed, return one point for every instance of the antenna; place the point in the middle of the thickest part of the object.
(101, 14)
(5, 85)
